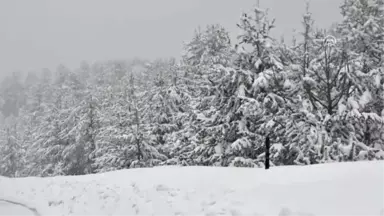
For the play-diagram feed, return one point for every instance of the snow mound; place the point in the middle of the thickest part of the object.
(329, 189)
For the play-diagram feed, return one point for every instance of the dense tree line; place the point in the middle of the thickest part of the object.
(319, 99)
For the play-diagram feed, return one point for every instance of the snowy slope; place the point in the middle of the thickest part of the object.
(16, 207)
(329, 189)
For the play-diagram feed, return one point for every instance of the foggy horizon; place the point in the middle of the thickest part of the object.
(44, 34)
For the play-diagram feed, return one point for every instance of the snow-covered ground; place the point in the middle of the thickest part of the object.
(329, 189)
(13, 207)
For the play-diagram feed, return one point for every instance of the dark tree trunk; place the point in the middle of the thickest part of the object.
(267, 146)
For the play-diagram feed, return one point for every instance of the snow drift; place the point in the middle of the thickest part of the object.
(329, 189)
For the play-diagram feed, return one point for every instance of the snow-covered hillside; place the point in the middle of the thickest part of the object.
(328, 189)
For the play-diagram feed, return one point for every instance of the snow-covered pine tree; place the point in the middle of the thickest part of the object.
(362, 26)
(268, 98)
(146, 152)
(85, 132)
(168, 110)
(304, 126)
(26, 129)
(329, 82)
(74, 154)
(54, 140)
(48, 146)
(209, 47)
(112, 137)
(336, 92)
(7, 153)
(247, 102)
(34, 116)
(11, 150)
(124, 139)
(363, 30)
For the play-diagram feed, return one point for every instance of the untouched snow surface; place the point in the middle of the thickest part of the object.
(329, 189)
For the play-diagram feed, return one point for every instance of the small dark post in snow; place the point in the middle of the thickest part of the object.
(267, 145)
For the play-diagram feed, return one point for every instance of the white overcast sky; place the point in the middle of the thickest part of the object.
(44, 33)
